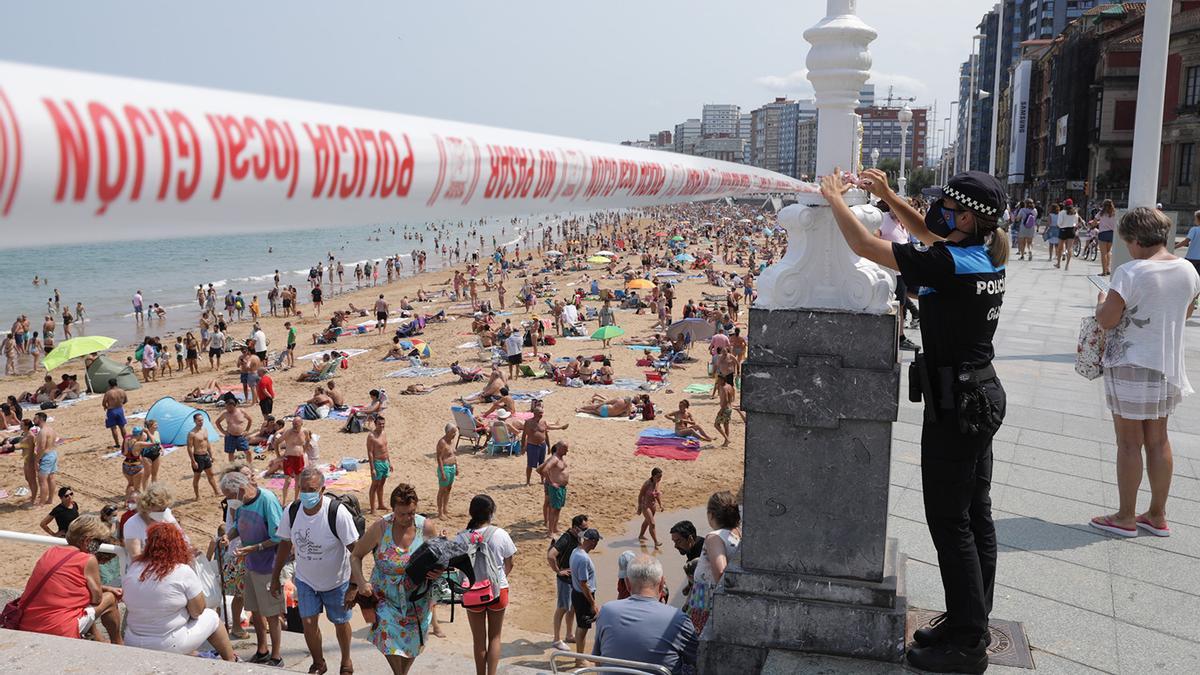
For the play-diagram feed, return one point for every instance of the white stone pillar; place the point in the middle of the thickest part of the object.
(819, 271)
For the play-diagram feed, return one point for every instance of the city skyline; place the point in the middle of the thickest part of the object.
(274, 49)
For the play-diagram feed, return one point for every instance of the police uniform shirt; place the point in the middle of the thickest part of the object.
(960, 292)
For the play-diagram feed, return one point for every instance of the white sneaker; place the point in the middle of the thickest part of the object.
(562, 646)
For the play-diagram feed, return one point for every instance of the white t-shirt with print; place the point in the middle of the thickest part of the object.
(1150, 334)
(135, 527)
(498, 543)
(322, 560)
(156, 607)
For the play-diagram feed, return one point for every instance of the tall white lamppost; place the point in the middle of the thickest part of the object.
(957, 128)
(905, 117)
(971, 93)
(1001, 44)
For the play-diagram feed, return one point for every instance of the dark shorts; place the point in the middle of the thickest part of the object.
(584, 617)
(235, 443)
(266, 405)
(1105, 236)
(244, 378)
(203, 463)
(1195, 263)
(381, 316)
(1066, 233)
(728, 378)
(262, 356)
(114, 417)
(191, 354)
(514, 360)
(215, 351)
(535, 454)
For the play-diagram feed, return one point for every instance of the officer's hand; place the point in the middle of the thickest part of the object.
(875, 182)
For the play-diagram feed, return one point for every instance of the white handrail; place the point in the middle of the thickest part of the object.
(26, 538)
(604, 664)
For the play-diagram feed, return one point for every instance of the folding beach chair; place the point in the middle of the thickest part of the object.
(468, 430)
(502, 441)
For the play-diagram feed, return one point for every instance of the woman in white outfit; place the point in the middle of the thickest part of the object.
(1144, 312)
(164, 600)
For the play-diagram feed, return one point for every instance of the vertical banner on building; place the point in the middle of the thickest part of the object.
(1019, 133)
(1060, 131)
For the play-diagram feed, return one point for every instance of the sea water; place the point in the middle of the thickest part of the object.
(104, 276)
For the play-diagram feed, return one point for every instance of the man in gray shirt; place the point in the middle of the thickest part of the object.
(640, 628)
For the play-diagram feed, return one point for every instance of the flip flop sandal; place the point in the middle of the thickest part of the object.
(1106, 524)
(1143, 523)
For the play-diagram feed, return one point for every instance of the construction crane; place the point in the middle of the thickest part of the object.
(891, 97)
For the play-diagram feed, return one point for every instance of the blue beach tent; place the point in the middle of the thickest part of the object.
(175, 421)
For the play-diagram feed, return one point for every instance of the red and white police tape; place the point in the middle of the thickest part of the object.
(86, 157)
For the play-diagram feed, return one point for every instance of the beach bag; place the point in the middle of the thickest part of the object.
(438, 553)
(485, 592)
(10, 617)
(209, 573)
(354, 425)
(308, 411)
(1089, 351)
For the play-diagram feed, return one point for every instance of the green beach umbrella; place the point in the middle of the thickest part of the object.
(599, 259)
(677, 238)
(608, 332)
(76, 347)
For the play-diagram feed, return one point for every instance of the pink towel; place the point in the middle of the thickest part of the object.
(668, 452)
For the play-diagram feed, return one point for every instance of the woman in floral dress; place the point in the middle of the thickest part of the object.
(400, 624)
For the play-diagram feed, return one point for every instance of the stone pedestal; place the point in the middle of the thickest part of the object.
(815, 572)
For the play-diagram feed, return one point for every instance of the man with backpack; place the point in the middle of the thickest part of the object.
(319, 530)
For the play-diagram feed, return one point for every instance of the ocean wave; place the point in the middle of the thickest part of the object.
(220, 284)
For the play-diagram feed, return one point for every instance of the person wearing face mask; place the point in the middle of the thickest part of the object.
(257, 516)
(320, 532)
(961, 273)
(153, 506)
(64, 595)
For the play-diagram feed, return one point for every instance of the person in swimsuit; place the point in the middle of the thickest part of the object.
(235, 423)
(535, 437)
(725, 414)
(296, 442)
(447, 469)
(649, 503)
(200, 455)
(380, 463)
(131, 464)
(114, 411)
(612, 407)
(150, 448)
(685, 425)
(554, 472)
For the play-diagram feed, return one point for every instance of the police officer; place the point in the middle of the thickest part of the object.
(959, 269)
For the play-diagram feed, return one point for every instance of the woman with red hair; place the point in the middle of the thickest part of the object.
(164, 600)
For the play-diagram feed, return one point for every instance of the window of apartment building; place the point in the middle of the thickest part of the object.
(1123, 115)
(1191, 92)
(1186, 150)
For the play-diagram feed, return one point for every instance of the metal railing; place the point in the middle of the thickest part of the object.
(26, 538)
(604, 664)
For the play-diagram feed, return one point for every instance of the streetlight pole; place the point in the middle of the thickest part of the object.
(945, 145)
(874, 158)
(905, 117)
(971, 98)
(1001, 43)
(957, 132)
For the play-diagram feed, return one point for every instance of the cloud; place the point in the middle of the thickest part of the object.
(905, 85)
(796, 80)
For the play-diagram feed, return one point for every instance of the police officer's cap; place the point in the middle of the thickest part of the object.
(977, 191)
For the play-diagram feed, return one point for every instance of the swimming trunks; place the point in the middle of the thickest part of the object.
(293, 465)
(48, 463)
(114, 417)
(724, 415)
(381, 316)
(447, 475)
(535, 454)
(235, 443)
(604, 411)
(382, 469)
(203, 463)
(558, 496)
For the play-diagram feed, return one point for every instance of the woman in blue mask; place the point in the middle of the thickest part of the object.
(959, 269)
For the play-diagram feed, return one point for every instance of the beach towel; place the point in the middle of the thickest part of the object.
(25, 405)
(317, 356)
(697, 388)
(468, 345)
(530, 395)
(345, 480)
(517, 416)
(630, 384)
(641, 348)
(418, 371)
(665, 444)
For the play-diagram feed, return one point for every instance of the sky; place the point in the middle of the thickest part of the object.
(606, 71)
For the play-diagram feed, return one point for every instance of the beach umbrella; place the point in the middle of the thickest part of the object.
(640, 284)
(76, 347)
(745, 220)
(553, 253)
(660, 234)
(699, 329)
(419, 346)
(599, 259)
(666, 273)
(677, 238)
(605, 253)
(608, 332)
(685, 257)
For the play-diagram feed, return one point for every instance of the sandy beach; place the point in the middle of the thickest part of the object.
(605, 473)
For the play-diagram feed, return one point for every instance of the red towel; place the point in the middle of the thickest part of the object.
(668, 452)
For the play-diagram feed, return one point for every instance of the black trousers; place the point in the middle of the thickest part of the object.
(956, 479)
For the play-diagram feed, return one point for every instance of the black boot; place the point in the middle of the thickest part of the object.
(936, 632)
(949, 657)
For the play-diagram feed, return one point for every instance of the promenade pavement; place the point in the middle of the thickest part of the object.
(1089, 602)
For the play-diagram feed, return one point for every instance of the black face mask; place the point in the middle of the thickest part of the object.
(935, 222)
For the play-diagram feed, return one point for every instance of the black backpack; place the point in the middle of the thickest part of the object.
(337, 501)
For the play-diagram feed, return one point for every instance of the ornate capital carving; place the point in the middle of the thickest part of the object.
(819, 271)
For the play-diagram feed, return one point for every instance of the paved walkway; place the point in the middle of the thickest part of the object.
(1089, 602)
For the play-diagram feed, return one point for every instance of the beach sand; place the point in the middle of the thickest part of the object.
(605, 474)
